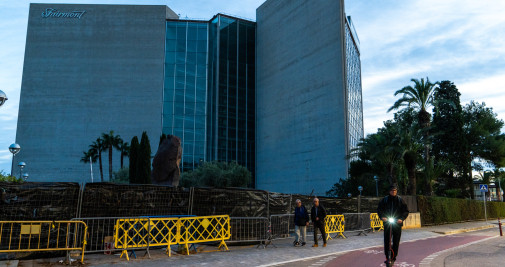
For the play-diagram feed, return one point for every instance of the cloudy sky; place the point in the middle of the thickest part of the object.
(458, 40)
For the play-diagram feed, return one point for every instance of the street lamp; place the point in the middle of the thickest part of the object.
(21, 165)
(349, 195)
(14, 149)
(360, 188)
(376, 184)
(25, 176)
(3, 97)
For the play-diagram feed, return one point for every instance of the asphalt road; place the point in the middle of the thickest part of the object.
(480, 248)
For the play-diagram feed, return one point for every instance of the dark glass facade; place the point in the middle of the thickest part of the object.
(185, 90)
(231, 107)
(353, 83)
(209, 89)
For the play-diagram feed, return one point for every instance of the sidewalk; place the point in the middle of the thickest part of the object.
(252, 256)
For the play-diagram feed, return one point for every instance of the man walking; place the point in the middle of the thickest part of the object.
(301, 223)
(318, 214)
(393, 211)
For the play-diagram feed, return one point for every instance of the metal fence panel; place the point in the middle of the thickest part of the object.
(31, 236)
(357, 222)
(249, 229)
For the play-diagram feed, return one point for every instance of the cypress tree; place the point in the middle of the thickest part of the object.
(162, 137)
(144, 160)
(134, 155)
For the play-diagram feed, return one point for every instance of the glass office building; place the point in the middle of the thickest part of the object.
(209, 89)
(353, 82)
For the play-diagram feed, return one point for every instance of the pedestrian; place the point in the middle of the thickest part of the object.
(318, 214)
(393, 211)
(301, 223)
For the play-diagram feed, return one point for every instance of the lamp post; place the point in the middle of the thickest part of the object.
(25, 176)
(14, 149)
(21, 165)
(360, 188)
(376, 184)
(3, 98)
(349, 195)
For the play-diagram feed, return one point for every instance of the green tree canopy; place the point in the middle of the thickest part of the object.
(217, 174)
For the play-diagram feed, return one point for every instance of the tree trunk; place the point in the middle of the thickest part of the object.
(122, 155)
(410, 164)
(110, 162)
(100, 163)
(424, 118)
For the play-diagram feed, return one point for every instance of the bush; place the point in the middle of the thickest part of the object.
(122, 176)
(440, 210)
(4, 177)
(217, 174)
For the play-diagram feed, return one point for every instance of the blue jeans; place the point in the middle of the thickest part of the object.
(303, 229)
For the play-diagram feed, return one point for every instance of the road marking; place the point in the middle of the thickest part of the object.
(426, 262)
(344, 252)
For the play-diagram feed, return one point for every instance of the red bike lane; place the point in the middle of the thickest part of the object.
(410, 253)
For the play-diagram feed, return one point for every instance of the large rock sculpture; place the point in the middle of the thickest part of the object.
(166, 162)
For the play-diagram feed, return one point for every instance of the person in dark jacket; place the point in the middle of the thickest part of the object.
(318, 214)
(301, 223)
(392, 207)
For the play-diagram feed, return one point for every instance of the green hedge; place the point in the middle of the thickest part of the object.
(440, 210)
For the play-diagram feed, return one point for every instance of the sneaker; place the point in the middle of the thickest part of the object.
(324, 245)
(303, 244)
(315, 246)
(297, 244)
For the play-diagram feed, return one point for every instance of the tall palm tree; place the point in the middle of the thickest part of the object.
(124, 148)
(89, 156)
(98, 147)
(419, 97)
(110, 141)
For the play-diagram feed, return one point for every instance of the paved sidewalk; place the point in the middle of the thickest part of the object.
(252, 256)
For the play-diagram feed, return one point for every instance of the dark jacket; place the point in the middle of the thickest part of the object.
(301, 216)
(393, 207)
(321, 213)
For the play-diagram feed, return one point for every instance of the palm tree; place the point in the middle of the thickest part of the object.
(124, 148)
(380, 148)
(98, 146)
(419, 97)
(409, 148)
(89, 156)
(110, 141)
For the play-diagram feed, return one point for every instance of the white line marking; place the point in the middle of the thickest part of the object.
(426, 262)
(343, 252)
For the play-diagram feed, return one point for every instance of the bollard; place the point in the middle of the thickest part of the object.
(499, 225)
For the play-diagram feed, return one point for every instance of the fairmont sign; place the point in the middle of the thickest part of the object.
(54, 13)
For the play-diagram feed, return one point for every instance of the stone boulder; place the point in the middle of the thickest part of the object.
(166, 162)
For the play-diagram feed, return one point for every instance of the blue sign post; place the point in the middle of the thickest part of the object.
(484, 189)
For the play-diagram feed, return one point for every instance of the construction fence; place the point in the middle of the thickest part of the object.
(43, 236)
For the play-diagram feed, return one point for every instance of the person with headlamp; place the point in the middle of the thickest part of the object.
(393, 211)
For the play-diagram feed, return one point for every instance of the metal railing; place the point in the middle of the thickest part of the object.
(249, 229)
(134, 233)
(376, 222)
(204, 229)
(357, 222)
(146, 232)
(32, 236)
(100, 233)
(334, 224)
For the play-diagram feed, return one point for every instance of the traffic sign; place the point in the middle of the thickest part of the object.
(483, 188)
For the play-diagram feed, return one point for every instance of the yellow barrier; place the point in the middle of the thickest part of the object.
(31, 236)
(146, 232)
(376, 222)
(205, 229)
(151, 232)
(334, 224)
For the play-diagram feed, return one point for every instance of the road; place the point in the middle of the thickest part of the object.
(448, 250)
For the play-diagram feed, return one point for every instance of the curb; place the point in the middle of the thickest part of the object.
(465, 230)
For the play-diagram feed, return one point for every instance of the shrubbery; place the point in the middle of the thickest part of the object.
(440, 210)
